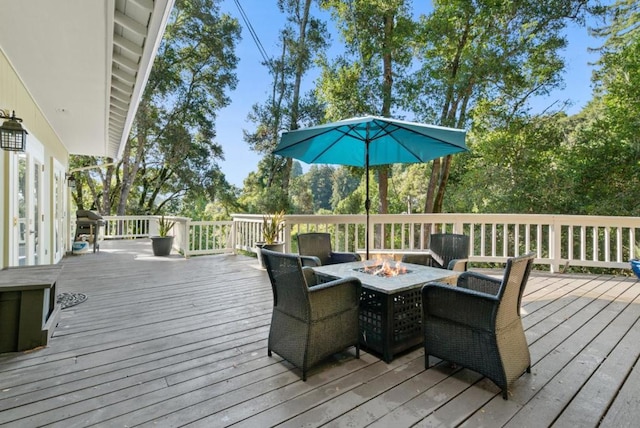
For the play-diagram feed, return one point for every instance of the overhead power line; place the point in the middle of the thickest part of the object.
(254, 35)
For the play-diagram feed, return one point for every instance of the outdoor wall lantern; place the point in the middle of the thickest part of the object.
(71, 181)
(13, 136)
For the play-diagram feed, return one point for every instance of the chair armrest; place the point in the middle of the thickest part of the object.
(458, 265)
(479, 282)
(337, 257)
(334, 297)
(312, 261)
(310, 276)
(425, 259)
(461, 305)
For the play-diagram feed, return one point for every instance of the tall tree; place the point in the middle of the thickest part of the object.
(516, 169)
(287, 107)
(344, 183)
(320, 180)
(505, 52)
(622, 24)
(171, 150)
(363, 81)
(605, 144)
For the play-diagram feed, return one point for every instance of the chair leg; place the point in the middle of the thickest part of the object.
(426, 361)
(268, 352)
(529, 369)
(358, 351)
(505, 394)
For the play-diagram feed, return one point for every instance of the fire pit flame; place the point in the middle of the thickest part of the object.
(385, 268)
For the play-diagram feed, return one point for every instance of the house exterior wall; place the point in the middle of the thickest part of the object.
(15, 96)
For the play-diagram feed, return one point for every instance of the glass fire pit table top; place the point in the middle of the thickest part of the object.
(413, 276)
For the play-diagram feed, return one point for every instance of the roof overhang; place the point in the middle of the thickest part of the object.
(85, 63)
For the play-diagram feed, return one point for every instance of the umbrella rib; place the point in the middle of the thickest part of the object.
(400, 127)
(440, 140)
(344, 134)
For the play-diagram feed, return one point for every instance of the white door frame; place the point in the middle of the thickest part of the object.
(28, 233)
(59, 209)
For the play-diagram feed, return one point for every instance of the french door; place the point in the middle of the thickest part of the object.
(28, 208)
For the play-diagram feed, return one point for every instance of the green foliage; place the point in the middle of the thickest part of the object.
(622, 24)
(170, 156)
(354, 202)
(345, 181)
(366, 78)
(516, 169)
(259, 193)
(605, 151)
(407, 187)
(301, 197)
(165, 226)
(320, 179)
(272, 225)
(473, 53)
(286, 107)
(187, 85)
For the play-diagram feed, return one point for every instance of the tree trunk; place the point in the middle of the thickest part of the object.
(383, 187)
(440, 171)
(278, 92)
(131, 167)
(107, 189)
(435, 173)
(444, 178)
(387, 86)
(295, 103)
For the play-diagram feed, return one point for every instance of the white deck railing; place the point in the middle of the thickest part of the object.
(557, 240)
(126, 226)
(191, 238)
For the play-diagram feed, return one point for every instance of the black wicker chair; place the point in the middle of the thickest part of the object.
(446, 251)
(316, 249)
(477, 324)
(310, 321)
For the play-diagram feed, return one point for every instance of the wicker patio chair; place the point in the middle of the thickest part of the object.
(310, 321)
(318, 245)
(446, 251)
(477, 324)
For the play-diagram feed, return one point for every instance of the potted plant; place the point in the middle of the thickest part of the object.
(272, 226)
(163, 242)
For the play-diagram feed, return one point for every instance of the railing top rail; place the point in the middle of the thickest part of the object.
(564, 218)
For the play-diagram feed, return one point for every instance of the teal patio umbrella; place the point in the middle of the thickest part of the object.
(370, 141)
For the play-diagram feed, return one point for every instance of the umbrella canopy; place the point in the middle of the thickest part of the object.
(370, 141)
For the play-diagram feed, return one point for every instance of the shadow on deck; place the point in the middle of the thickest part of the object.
(174, 341)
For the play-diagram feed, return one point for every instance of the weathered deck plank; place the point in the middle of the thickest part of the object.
(175, 342)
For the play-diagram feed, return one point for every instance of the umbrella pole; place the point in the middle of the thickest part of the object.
(367, 202)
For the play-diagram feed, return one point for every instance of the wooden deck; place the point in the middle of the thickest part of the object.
(171, 342)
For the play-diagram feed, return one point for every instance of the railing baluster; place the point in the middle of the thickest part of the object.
(555, 235)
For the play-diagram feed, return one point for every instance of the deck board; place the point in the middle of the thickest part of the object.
(182, 342)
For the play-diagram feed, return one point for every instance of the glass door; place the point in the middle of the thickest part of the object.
(22, 196)
(28, 210)
(59, 200)
(36, 214)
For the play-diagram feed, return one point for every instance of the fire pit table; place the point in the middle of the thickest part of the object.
(391, 303)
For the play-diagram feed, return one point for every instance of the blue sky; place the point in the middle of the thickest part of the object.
(254, 81)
